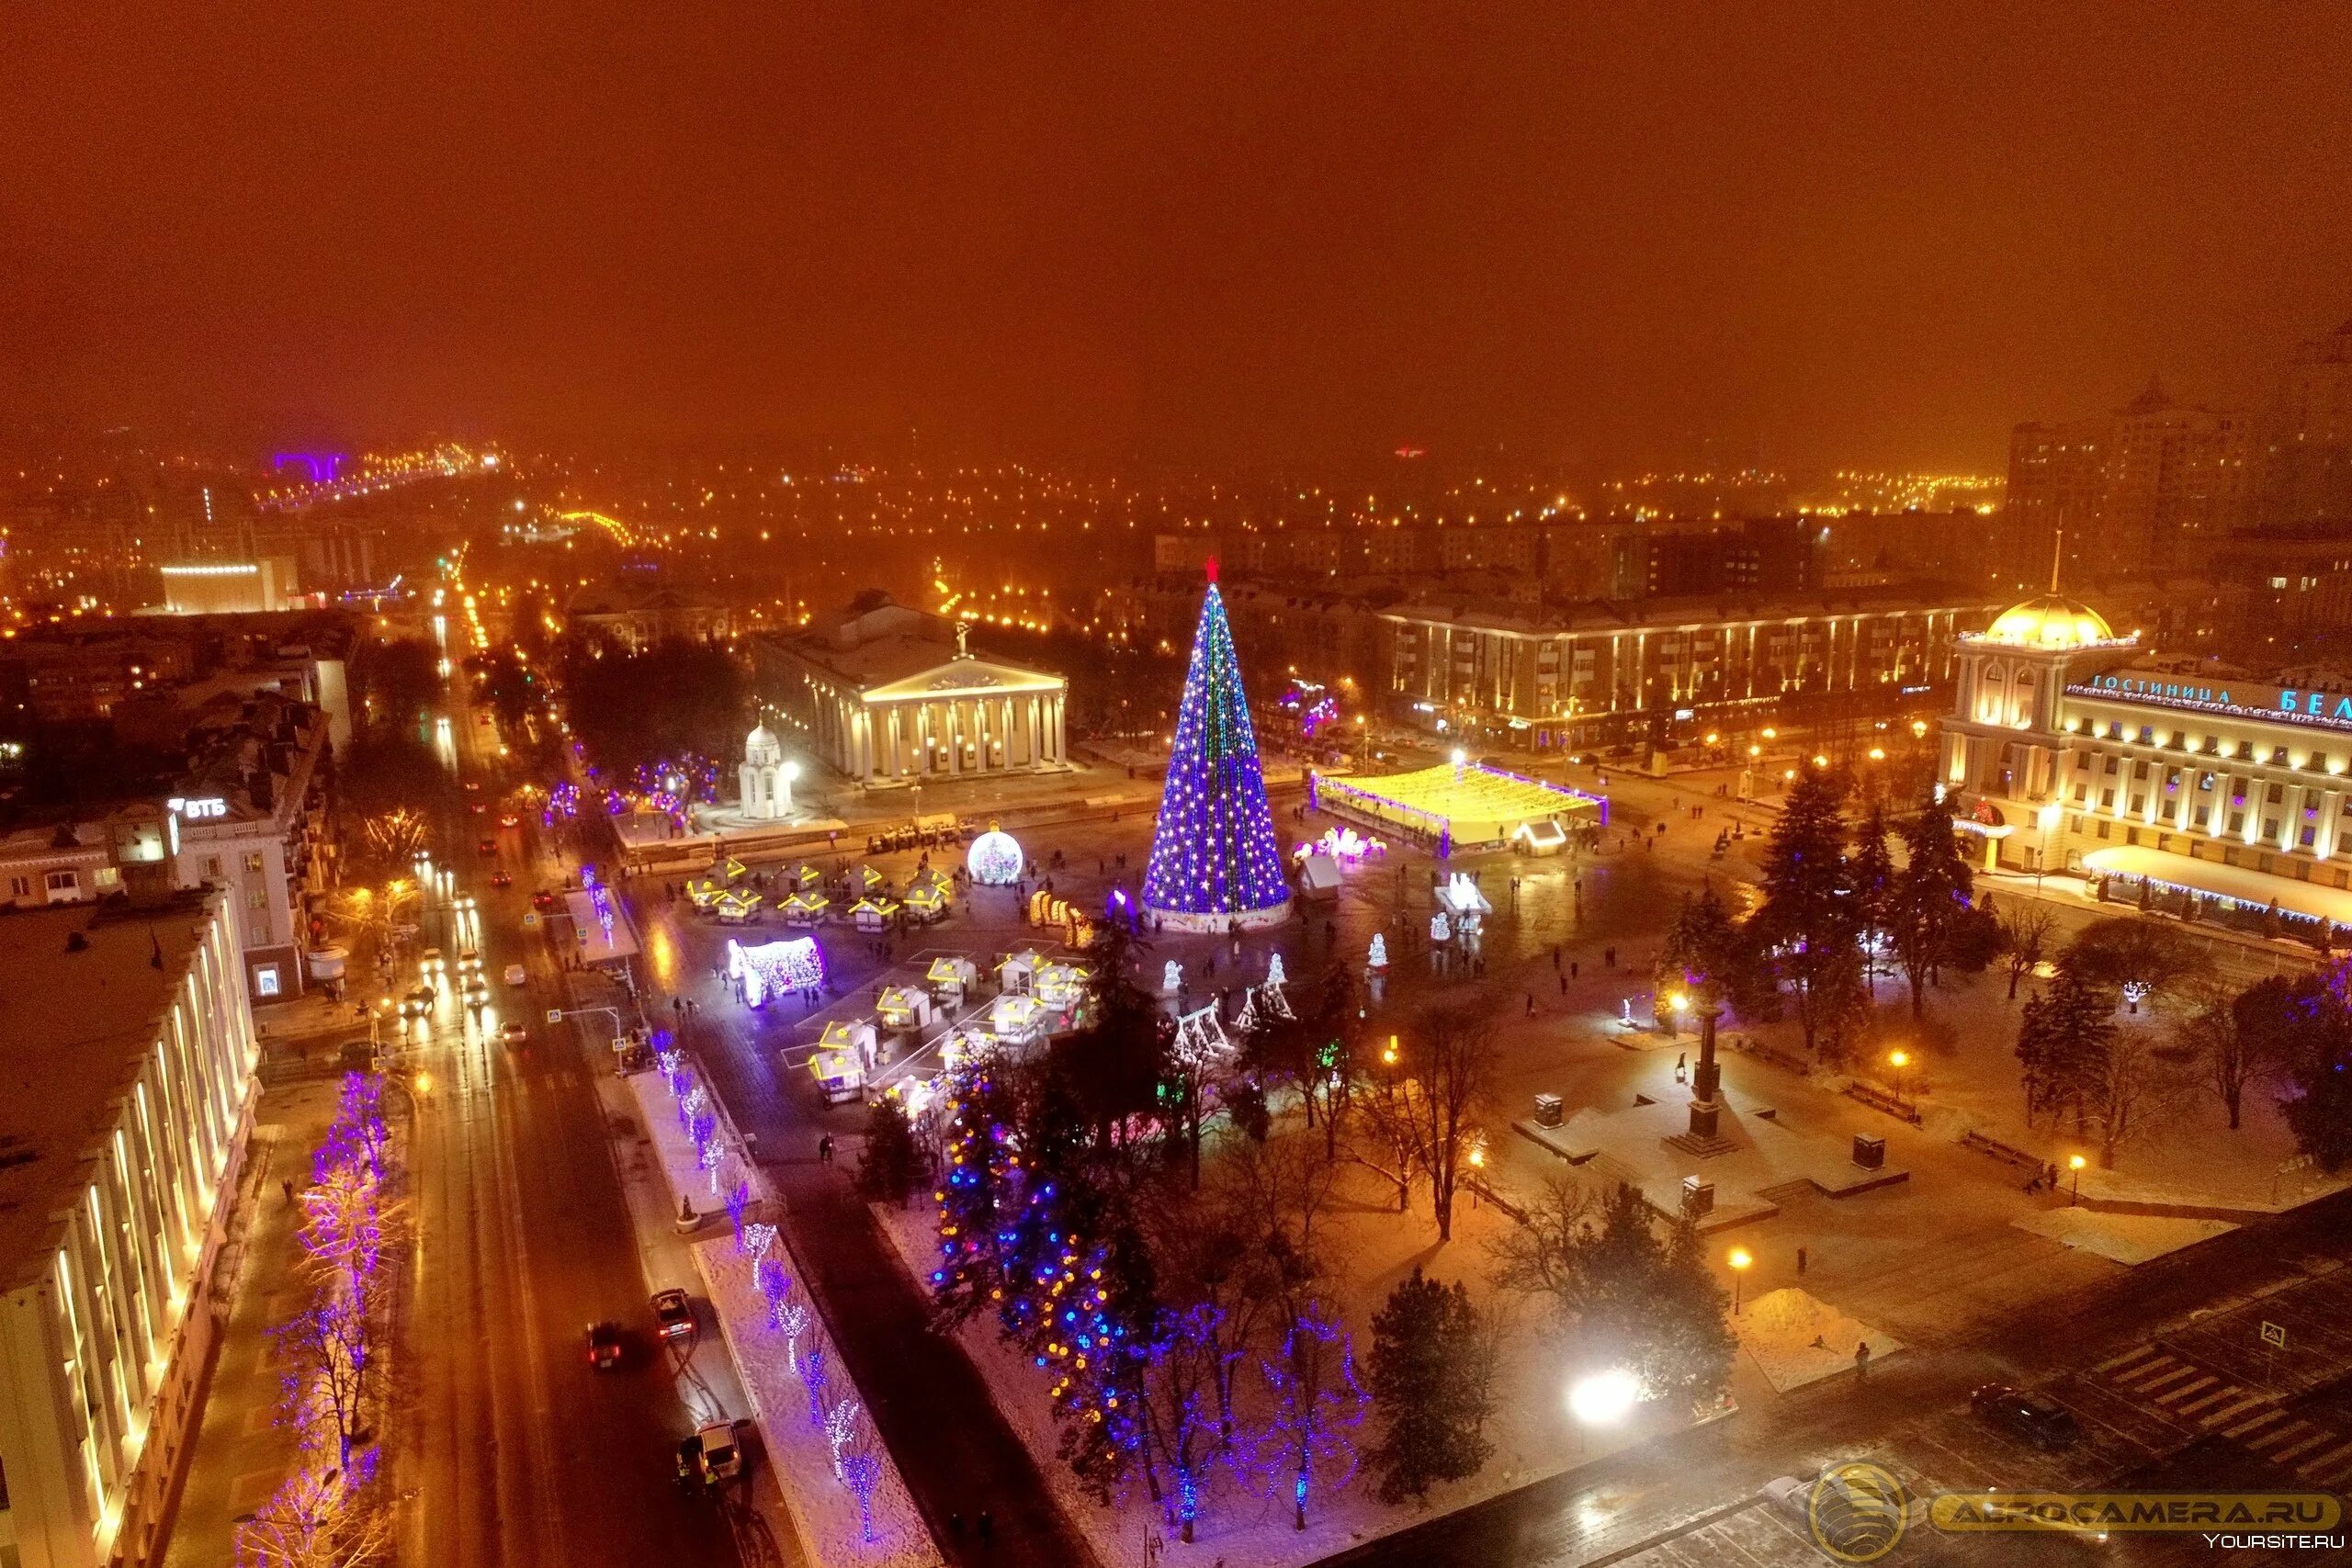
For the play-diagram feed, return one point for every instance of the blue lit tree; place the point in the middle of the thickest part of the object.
(1317, 1402)
(1214, 859)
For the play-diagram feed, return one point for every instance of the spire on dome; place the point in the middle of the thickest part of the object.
(1210, 567)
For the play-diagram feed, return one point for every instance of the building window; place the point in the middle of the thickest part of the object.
(2277, 793)
(212, 867)
(2311, 837)
(2269, 828)
(2237, 821)
(253, 859)
(2139, 803)
(2107, 799)
(2198, 817)
(2102, 827)
(265, 980)
(67, 883)
(20, 886)
(257, 898)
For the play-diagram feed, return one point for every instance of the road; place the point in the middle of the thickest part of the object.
(511, 1452)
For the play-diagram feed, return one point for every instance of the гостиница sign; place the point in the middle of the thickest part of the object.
(2325, 710)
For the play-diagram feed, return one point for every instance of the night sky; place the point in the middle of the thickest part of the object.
(1179, 233)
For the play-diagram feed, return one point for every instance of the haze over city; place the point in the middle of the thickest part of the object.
(1180, 786)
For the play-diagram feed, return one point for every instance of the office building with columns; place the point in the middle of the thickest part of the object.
(2073, 747)
(888, 696)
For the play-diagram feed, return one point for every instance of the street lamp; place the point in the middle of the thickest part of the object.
(1898, 1060)
(1739, 1260)
(2075, 1163)
(1602, 1399)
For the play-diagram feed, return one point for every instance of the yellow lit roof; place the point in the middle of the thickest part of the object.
(2050, 621)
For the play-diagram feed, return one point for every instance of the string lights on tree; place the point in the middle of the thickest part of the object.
(1214, 864)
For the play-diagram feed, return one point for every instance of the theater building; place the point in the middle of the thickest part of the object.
(2074, 748)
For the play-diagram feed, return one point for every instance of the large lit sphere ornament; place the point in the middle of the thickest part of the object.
(995, 859)
(1215, 863)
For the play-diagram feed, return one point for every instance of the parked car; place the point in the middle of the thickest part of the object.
(604, 1346)
(674, 1315)
(516, 975)
(2039, 1421)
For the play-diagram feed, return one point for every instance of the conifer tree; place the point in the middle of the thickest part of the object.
(1431, 1372)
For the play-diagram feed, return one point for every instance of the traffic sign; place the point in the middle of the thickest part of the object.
(2274, 1335)
(555, 1015)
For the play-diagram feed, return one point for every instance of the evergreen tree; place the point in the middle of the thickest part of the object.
(2062, 1041)
(1931, 898)
(1213, 851)
(1715, 956)
(2305, 1026)
(1430, 1374)
(1872, 869)
(1808, 918)
(889, 1163)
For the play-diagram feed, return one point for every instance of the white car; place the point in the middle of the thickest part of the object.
(516, 975)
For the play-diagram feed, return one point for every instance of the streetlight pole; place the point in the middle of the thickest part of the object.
(2075, 1163)
(1898, 1060)
(1740, 1258)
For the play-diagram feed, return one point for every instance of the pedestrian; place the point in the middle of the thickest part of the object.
(286, 1187)
(956, 1524)
(1531, 1004)
(1572, 968)
(1555, 958)
(1800, 1262)
(1564, 984)
(1861, 1360)
(825, 1149)
(988, 1527)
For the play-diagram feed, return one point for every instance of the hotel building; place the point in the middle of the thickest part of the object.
(2076, 749)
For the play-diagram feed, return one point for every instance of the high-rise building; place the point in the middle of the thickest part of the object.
(2157, 483)
(2307, 467)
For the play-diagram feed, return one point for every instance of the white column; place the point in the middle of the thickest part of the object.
(2331, 806)
(1004, 732)
(1061, 751)
(2223, 785)
(2255, 792)
(2290, 818)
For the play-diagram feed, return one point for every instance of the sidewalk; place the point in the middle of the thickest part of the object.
(241, 1454)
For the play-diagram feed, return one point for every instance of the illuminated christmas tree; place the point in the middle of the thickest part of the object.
(1214, 864)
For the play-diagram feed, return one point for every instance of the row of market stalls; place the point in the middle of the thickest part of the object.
(804, 895)
(1025, 999)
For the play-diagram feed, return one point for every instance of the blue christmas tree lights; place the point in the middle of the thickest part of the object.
(1215, 863)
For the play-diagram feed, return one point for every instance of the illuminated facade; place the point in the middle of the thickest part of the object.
(886, 702)
(2073, 748)
(135, 1028)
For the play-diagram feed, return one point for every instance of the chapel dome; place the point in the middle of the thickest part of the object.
(760, 746)
(2051, 621)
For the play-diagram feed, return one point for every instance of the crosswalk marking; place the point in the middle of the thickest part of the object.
(2150, 1385)
(2227, 1391)
(2278, 1434)
(2314, 1440)
(2137, 1353)
(2312, 1466)
(2232, 1410)
(2255, 1423)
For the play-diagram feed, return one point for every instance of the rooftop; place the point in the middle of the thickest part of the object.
(73, 1027)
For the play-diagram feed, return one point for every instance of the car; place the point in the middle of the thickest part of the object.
(721, 1458)
(604, 1346)
(516, 975)
(418, 1003)
(464, 901)
(477, 991)
(478, 806)
(514, 1033)
(486, 847)
(543, 900)
(469, 958)
(510, 820)
(2039, 1421)
(674, 1315)
(429, 960)
(472, 788)
(501, 879)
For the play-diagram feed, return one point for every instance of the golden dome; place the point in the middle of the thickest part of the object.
(2050, 622)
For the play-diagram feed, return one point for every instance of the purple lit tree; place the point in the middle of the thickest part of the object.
(738, 1199)
(1214, 859)
(813, 1378)
(1317, 1401)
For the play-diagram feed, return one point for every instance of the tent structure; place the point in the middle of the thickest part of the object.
(839, 1075)
(873, 913)
(1319, 878)
(903, 1006)
(1460, 805)
(952, 978)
